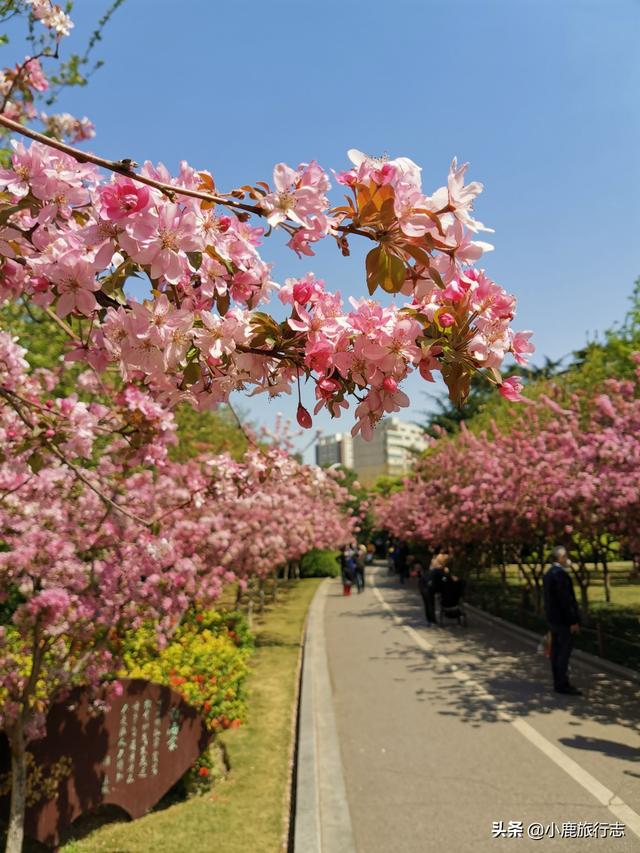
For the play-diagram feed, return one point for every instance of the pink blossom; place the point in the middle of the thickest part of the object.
(368, 413)
(76, 284)
(122, 198)
(35, 76)
(384, 171)
(412, 209)
(603, 401)
(52, 16)
(299, 195)
(461, 197)
(28, 165)
(162, 242)
(511, 389)
(521, 346)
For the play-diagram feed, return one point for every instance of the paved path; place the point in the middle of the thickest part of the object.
(444, 731)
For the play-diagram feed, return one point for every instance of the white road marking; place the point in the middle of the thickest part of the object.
(602, 794)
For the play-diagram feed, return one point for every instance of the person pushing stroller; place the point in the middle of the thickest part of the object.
(430, 584)
(451, 592)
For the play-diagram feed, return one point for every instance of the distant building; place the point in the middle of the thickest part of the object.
(335, 450)
(391, 452)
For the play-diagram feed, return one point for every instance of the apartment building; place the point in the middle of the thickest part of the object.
(391, 452)
(335, 450)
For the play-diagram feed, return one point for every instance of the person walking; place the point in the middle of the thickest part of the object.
(391, 557)
(361, 560)
(402, 561)
(563, 616)
(427, 599)
(347, 568)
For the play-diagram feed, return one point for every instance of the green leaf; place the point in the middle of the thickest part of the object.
(419, 255)
(435, 275)
(192, 372)
(392, 272)
(195, 259)
(36, 462)
(371, 266)
(222, 303)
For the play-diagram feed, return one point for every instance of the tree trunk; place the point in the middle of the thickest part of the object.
(530, 581)
(250, 608)
(15, 834)
(584, 596)
(261, 595)
(274, 596)
(538, 591)
(583, 578)
(607, 580)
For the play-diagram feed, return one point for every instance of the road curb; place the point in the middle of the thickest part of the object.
(322, 822)
(592, 661)
(289, 809)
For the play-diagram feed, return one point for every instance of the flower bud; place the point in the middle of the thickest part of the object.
(389, 384)
(303, 417)
(446, 320)
(302, 292)
(328, 387)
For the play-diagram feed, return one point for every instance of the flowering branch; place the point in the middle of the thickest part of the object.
(12, 400)
(21, 73)
(189, 341)
(126, 167)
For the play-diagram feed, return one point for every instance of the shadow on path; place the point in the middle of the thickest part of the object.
(506, 666)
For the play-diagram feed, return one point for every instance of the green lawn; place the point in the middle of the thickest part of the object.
(246, 812)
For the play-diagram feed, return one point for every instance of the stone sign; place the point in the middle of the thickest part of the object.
(128, 756)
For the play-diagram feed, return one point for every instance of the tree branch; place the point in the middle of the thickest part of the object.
(125, 167)
(8, 396)
(20, 74)
(66, 328)
(8, 492)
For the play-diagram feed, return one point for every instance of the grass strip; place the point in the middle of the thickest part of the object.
(245, 811)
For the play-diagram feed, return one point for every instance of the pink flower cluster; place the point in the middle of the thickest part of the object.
(52, 16)
(79, 238)
(564, 473)
(95, 546)
(22, 86)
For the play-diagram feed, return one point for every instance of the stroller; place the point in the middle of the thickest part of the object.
(451, 603)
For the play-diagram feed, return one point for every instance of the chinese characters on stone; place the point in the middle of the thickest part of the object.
(139, 742)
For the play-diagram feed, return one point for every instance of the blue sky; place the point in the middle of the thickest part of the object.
(540, 97)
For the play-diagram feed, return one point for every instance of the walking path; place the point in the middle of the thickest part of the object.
(443, 732)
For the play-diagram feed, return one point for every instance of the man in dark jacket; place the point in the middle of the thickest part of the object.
(563, 616)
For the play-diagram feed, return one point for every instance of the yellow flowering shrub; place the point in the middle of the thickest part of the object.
(206, 661)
